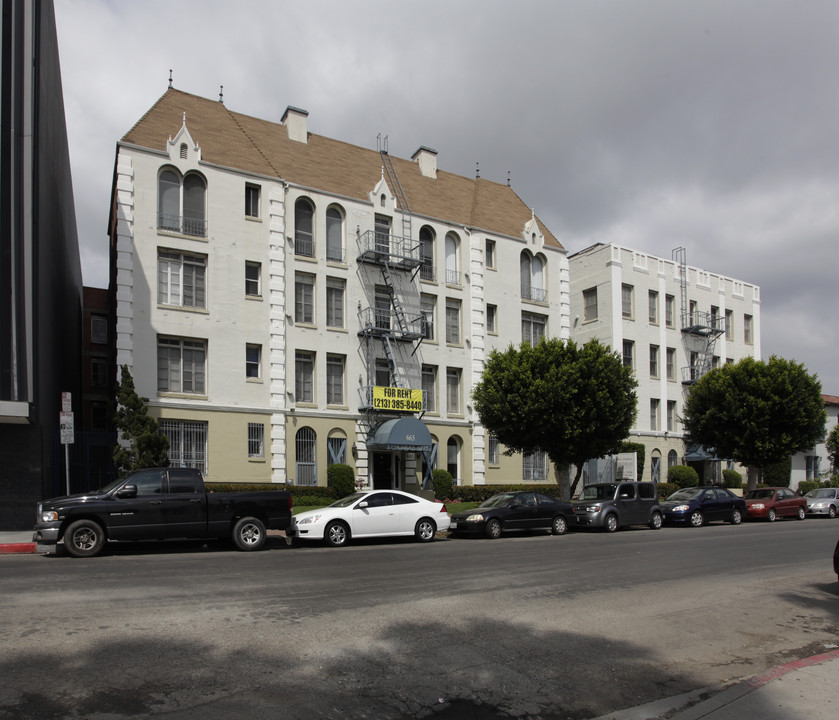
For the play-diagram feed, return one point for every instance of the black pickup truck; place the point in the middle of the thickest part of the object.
(160, 504)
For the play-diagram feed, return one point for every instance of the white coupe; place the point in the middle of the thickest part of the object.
(372, 513)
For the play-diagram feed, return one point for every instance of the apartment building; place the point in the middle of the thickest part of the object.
(814, 464)
(671, 322)
(285, 300)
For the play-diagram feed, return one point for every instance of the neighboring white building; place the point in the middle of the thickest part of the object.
(815, 464)
(274, 288)
(671, 323)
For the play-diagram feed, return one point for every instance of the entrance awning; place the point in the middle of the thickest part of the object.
(406, 433)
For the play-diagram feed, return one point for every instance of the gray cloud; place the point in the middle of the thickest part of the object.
(652, 123)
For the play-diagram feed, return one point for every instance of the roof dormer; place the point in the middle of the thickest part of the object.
(182, 147)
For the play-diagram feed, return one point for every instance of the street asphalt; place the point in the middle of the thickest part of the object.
(798, 690)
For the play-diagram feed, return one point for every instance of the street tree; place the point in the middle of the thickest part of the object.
(756, 412)
(832, 445)
(143, 445)
(572, 402)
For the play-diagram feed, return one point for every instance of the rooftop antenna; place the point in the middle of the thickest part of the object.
(170, 78)
(221, 94)
(477, 171)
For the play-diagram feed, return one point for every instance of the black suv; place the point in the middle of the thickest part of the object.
(618, 504)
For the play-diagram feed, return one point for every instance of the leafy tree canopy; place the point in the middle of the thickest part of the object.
(572, 402)
(833, 449)
(756, 412)
(143, 444)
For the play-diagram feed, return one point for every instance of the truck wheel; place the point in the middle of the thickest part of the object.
(611, 523)
(249, 533)
(84, 538)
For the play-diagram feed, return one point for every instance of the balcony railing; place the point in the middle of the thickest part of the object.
(428, 272)
(452, 277)
(383, 322)
(196, 227)
(304, 246)
(535, 294)
(401, 252)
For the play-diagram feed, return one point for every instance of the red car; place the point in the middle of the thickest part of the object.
(773, 502)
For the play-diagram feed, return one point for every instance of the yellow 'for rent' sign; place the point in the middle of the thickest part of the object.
(402, 399)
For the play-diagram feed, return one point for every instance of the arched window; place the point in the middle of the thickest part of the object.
(655, 466)
(427, 248)
(452, 259)
(453, 457)
(334, 234)
(532, 272)
(336, 445)
(183, 151)
(306, 447)
(181, 205)
(672, 459)
(433, 455)
(304, 230)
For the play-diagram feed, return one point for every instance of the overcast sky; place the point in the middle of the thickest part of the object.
(704, 124)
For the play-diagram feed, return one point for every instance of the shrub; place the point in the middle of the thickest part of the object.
(341, 479)
(683, 476)
(732, 479)
(666, 489)
(442, 481)
(778, 474)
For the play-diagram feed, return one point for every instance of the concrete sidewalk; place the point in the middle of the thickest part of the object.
(799, 690)
(16, 541)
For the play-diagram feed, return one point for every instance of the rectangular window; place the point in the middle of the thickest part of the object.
(428, 304)
(453, 321)
(654, 406)
(98, 372)
(653, 304)
(335, 302)
(729, 324)
(533, 327)
(671, 416)
(187, 443)
(669, 310)
(253, 361)
(304, 376)
(453, 391)
(99, 329)
(492, 450)
(629, 354)
(253, 279)
(383, 300)
(715, 316)
(429, 387)
(382, 373)
(181, 279)
(693, 312)
(747, 330)
(335, 379)
(490, 254)
(256, 440)
(627, 297)
(304, 298)
(654, 361)
(492, 319)
(671, 363)
(252, 201)
(181, 365)
(535, 466)
(590, 304)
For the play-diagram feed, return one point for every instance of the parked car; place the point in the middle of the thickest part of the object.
(836, 560)
(618, 504)
(372, 513)
(514, 511)
(159, 504)
(773, 502)
(823, 501)
(696, 506)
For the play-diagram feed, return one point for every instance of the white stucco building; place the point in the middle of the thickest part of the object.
(278, 293)
(671, 322)
(814, 464)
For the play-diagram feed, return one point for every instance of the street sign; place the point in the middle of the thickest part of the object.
(65, 421)
(66, 402)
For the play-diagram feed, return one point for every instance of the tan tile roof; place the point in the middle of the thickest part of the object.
(246, 143)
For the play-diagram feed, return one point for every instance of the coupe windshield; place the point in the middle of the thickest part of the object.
(498, 500)
(685, 494)
(598, 492)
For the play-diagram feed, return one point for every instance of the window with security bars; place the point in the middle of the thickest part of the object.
(535, 466)
(256, 440)
(187, 443)
(492, 450)
(337, 450)
(181, 279)
(181, 365)
(306, 450)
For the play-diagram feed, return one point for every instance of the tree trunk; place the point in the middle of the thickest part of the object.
(753, 474)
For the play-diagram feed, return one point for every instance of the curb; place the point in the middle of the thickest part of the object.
(17, 548)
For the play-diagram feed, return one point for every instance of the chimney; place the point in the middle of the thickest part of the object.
(295, 121)
(427, 160)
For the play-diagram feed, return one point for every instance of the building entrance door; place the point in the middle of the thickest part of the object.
(383, 471)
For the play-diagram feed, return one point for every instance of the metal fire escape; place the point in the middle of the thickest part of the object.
(700, 329)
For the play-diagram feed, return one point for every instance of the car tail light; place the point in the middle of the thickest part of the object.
(443, 508)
